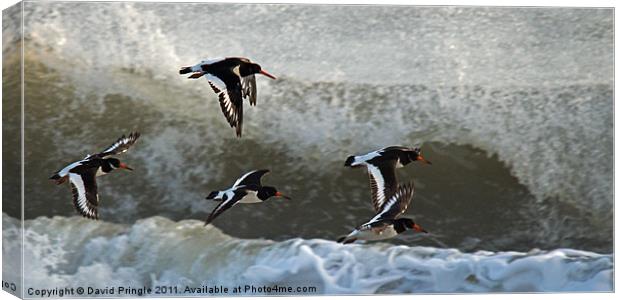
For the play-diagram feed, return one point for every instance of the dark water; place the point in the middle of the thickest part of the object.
(467, 199)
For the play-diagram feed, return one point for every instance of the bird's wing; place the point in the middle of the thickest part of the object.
(396, 148)
(120, 146)
(238, 193)
(84, 189)
(215, 83)
(249, 88)
(229, 93)
(251, 178)
(375, 224)
(396, 205)
(64, 171)
(383, 182)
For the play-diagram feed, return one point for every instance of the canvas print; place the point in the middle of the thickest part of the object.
(219, 149)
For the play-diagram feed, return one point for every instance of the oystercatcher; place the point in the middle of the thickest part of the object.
(385, 224)
(82, 174)
(247, 189)
(381, 165)
(232, 79)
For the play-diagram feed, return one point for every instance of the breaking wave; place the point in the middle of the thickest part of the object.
(155, 251)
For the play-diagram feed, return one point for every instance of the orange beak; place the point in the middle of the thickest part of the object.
(417, 228)
(422, 159)
(125, 166)
(278, 194)
(267, 74)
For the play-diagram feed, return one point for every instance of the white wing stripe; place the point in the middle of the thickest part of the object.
(229, 197)
(376, 174)
(391, 202)
(118, 144)
(387, 207)
(198, 67)
(216, 81)
(368, 156)
(212, 60)
(65, 171)
(230, 194)
(241, 179)
(230, 111)
(82, 202)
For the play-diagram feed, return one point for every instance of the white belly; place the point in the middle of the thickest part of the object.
(398, 164)
(374, 235)
(251, 197)
(100, 172)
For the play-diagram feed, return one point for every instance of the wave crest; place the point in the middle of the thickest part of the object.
(157, 251)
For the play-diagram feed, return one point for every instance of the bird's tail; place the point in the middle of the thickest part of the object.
(346, 240)
(185, 70)
(59, 179)
(350, 160)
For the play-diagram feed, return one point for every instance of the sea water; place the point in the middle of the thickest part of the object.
(512, 105)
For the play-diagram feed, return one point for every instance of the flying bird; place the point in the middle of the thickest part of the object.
(81, 174)
(247, 189)
(386, 224)
(232, 79)
(381, 165)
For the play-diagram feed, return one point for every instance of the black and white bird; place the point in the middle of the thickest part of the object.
(386, 224)
(232, 79)
(81, 174)
(247, 189)
(381, 165)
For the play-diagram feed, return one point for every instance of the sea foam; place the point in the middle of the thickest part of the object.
(158, 252)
